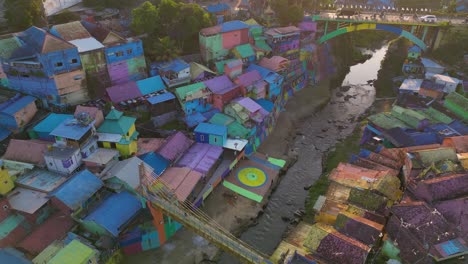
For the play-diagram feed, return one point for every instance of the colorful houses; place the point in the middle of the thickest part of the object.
(173, 73)
(75, 253)
(222, 90)
(194, 98)
(211, 134)
(284, 41)
(457, 104)
(16, 112)
(43, 65)
(118, 132)
(217, 41)
(414, 53)
(274, 80)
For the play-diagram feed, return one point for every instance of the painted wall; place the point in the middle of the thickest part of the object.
(217, 140)
(211, 47)
(93, 61)
(123, 52)
(70, 82)
(6, 185)
(198, 105)
(235, 38)
(57, 62)
(124, 149)
(133, 69)
(64, 165)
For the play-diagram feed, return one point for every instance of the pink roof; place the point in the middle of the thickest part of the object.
(94, 112)
(248, 78)
(28, 151)
(248, 104)
(200, 157)
(210, 31)
(220, 85)
(146, 145)
(175, 146)
(122, 92)
(275, 63)
(54, 228)
(181, 181)
(282, 30)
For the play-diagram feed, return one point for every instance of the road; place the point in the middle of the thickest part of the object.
(392, 17)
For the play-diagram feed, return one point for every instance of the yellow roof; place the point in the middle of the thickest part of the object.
(73, 253)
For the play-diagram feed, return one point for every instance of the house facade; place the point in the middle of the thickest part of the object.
(194, 98)
(211, 134)
(17, 112)
(173, 73)
(118, 132)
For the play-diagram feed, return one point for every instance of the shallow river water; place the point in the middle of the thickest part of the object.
(318, 133)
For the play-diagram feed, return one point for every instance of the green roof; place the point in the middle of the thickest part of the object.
(435, 155)
(120, 126)
(8, 46)
(221, 119)
(236, 129)
(9, 224)
(262, 45)
(408, 116)
(183, 91)
(114, 114)
(458, 104)
(436, 116)
(220, 65)
(386, 121)
(73, 253)
(245, 51)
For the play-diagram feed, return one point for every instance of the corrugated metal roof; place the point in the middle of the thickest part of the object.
(220, 85)
(181, 181)
(26, 200)
(51, 122)
(127, 171)
(70, 31)
(15, 104)
(431, 64)
(73, 253)
(237, 130)
(207, 128)
(102, 156)
(175, 146)
(87, 44)
(265, 104)
(218, 8)
(54, 228)
(245, 50)
(78, 189)
(146, 145)
(248, 78)
(28, 151)
(282, 31)
(120, 126)
(123, 92)
(192, 90)
(4, 133)
(233, 25)
(115, 211)
(150, 85)
(161, 98)
(156, 161)
(71, 129)
(235, 144)
(175, 65)
(221, 119)
(200, 157)
(412, 85)
(248, 104)
(107, 137)
(41, 180)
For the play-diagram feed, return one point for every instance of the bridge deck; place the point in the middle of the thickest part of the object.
(387, 22)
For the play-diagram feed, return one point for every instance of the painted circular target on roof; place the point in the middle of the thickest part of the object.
(252, 177)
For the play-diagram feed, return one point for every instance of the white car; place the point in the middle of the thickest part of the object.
(429, 18)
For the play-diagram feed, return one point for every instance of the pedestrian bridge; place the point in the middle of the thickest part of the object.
(424, 35)
(160, 196)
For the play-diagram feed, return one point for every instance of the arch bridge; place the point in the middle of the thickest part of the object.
(425, 35)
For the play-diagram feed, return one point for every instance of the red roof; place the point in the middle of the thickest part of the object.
(181, 181)
(28, 151)
(54, 228)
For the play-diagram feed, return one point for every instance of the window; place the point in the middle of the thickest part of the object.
(100, 144)
(202, 138)
(58, 64)
(74, 60)
(129, 51)
(113, 145)
(215, 139)
(67, 163)
(119, 54)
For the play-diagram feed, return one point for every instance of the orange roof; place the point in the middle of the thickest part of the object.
(459, 143)
(27, 151)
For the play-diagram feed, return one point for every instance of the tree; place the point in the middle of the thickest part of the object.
(145, 19)
(64, 17)
(288, 12)
(161, 49)
(21, 14)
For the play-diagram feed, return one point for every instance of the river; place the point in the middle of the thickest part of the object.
(318, 133)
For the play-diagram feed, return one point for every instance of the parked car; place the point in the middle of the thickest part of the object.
(428, 18)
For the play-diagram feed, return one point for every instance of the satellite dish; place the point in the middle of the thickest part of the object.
(83, 118)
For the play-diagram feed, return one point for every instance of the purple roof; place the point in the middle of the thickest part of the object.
(175, 146)
(249, 104)
(249, 78)
(454, 211)
(338, 248)
(200, 157)
(431, 85)
(220, 85)
(122, 92)
(442, 188)
(308, 26)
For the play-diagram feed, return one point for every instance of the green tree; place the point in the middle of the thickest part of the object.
(64, 17)
(21, 14)
(288, 12)
(145, 19)
(452, 7)
(161, 49)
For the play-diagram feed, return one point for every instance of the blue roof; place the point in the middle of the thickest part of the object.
(414, 49)
(4, 133)
(161, 98)
(218, 8)
(12, 256)
(267, 75)
(175, 65)
(194, 119)
(150, 85)
(156, 161)
(78, 189)
(34, 37)
(15, 104)
(115, 211)
(233, 25)
(458, 126)
(51, 122)
(265, 104)
(71, 131)
(424, 138)
(207, 128)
